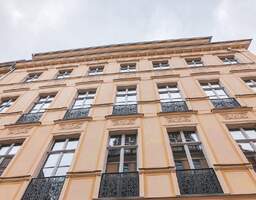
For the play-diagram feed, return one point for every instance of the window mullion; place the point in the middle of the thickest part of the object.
(121, 162)
(188, 155)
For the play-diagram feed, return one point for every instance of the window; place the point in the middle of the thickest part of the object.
(7, 152)
(5, 104)
(122, 153)
(246, 139)
(214, 90)
(59, 158)
(229, 60)
(161, 65)
(169, 93)
(84, 99)
(42, 104)
(128, 67)
(251, 83)
(95, 70)
(194, 62)
(126, 96)
(32, 77)
(187, 150)
(63, 74)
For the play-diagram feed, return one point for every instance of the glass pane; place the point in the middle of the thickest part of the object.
(66, 159)
(113, 155)
(209, 93)
(197, 155)
(175, 137)
(164, 96)
(112, 167)
(175, 95)
(115, 140)
(120, 99)
(14, 150)
(132, 98)
(51, 160)
(237, 135)
(180, 157)
(58, 145)
(251, 133)
(221, 93)
(46, 172)
(62, 171)
(72, 144)
(4, 149)
(130, 139)
(191, 137)
(246, 147)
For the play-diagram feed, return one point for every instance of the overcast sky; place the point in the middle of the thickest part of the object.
(32, 26)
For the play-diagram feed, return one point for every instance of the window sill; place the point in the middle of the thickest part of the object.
(60, 121)
(177, 113)
(23, 124)
(221, 110)
(136, 115)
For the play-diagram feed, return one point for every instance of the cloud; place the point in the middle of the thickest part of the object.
(30, 26)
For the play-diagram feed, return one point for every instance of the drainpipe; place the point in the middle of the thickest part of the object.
(11, 69)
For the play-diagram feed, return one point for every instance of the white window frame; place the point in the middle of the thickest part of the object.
(85, 98)
(130, 67)
(63, 74)
(95, 70)
(32, 77)
(6, 104)
(122, 147)
(169, 89)
(213, 89)
(186, 144)
(126, 95)
(251, 83)
(194, 62)
(229, 60)
(161, 65)
(40, 109)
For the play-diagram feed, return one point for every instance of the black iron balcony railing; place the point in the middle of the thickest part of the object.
(48, 188)
(174, 106)
(198, 181)
(124, 184)
(30, 117)
(225, 103)
(77, 113)
(124, 109)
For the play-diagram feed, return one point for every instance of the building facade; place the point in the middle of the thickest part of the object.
(172, 119)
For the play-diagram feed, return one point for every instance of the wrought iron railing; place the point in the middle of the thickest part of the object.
(198, 181)
(174, 106)
(48, 188)
(124, 109)
(124, 184)
(30, 117)
(225, 103)
(77, 113)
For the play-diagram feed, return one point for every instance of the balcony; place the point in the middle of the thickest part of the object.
(30, 118)
(198, 181)
(44, 188)
(119, 185)
(174, 106)
(225, 103)
(77, 113)
(127, 109)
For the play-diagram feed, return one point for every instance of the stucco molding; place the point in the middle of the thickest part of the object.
(138, 115)
(7, 179)
(237, 109)
(235, 115)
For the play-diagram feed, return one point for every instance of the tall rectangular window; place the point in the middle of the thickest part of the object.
(84, 99)
(126, 95)
(122, 153)
(6, 104)
(214, 90)
(32, 77)
(128, 67)
(59, 158)
(158, 65)
(229, 60)
(169, 93)
(187, 150)
(42, 104)
(251, 83)
(63, 74)
(246, 139)
(95, 70)
(194, 62)
(7, 152)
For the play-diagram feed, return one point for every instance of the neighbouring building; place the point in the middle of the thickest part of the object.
(170, 119)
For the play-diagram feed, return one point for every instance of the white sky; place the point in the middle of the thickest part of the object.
(31, 26)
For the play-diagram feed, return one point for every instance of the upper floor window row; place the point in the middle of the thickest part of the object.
(6, 104)
(251, 83)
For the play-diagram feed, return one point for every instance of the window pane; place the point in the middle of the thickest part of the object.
(246, 147)
(130, 139)
(72, 144)
(191, 137)
(4, 164)
(180, 157)
(221, 93)
(209, 93)
(237, 135)
(66, 159)
(51, 160)
(113, 160)
(251, 133)
(4, 149)
(62, 171)
(46, 172)
(197, 155)
(130, 160)
(58, 145)
(174, 137)
(115, 140)
(175, 96)
(164, 96)
(14, 150)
